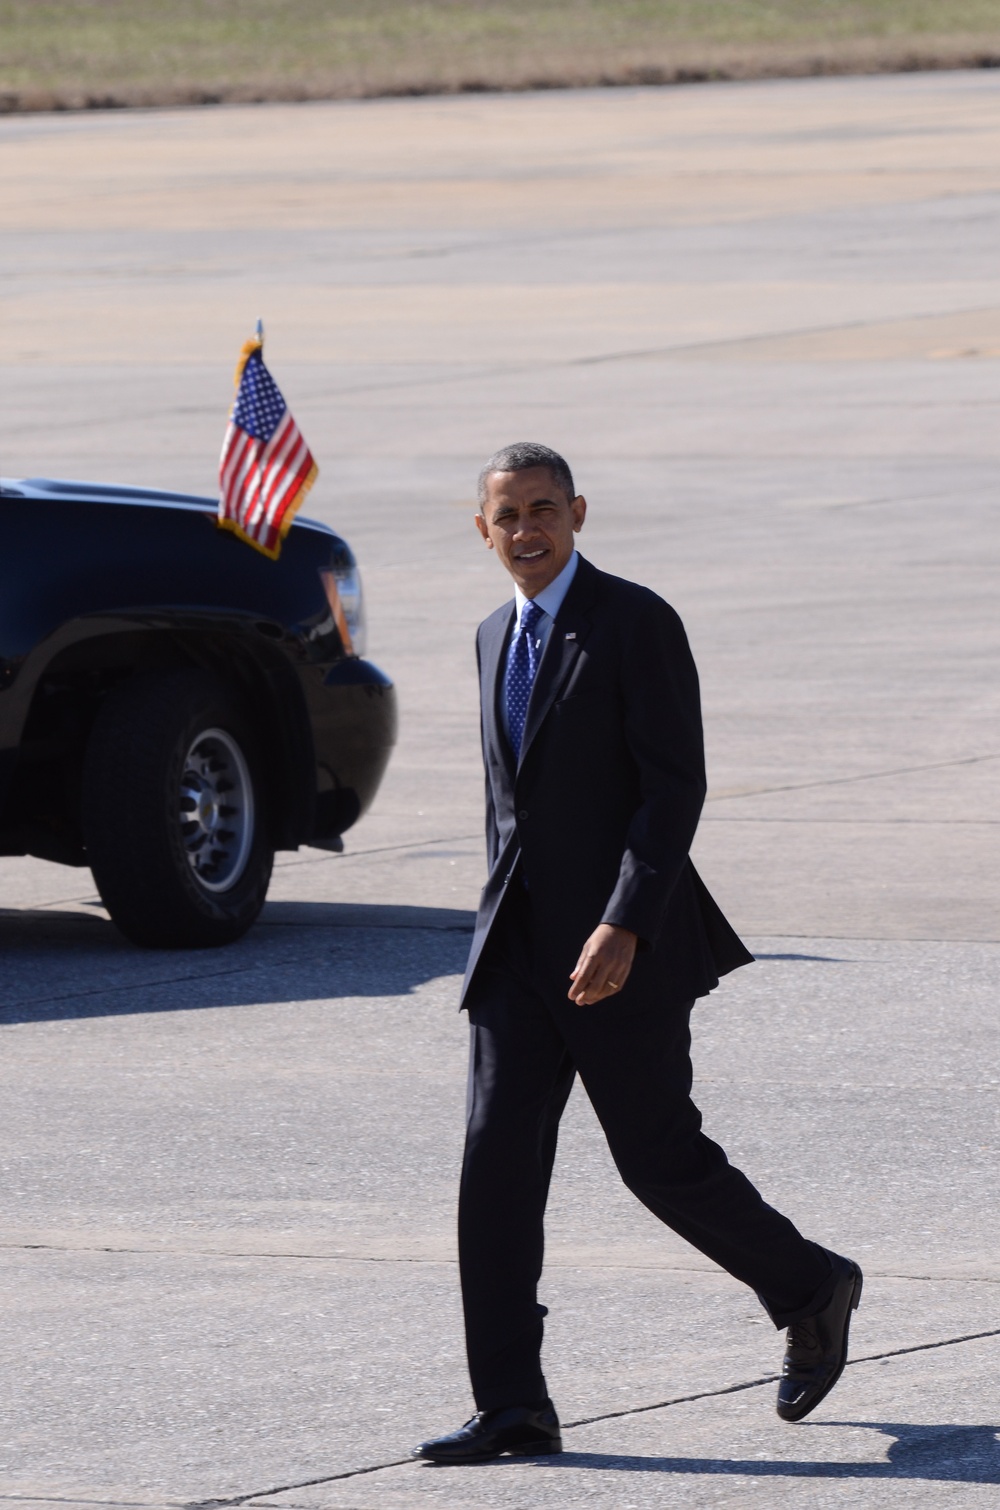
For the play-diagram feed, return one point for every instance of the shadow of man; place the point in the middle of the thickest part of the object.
(950, 1454)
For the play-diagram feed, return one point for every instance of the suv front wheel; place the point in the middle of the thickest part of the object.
(174, 813)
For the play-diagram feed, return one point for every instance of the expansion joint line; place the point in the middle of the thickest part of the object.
(610, 1415)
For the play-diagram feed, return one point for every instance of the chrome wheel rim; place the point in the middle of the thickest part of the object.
(216, 810)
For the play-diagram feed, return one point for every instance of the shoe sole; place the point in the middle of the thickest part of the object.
(525, 1450)
(800, 1415)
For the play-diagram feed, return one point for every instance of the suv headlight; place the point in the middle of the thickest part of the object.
(346, 600)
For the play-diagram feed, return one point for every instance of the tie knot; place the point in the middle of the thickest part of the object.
(530, 615)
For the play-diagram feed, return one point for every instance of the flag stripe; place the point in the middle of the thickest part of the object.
(291, 473)
(232, 454)
(284, 473)
(235, 464)
(271, 459)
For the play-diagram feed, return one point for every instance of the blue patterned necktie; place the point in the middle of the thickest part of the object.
(522, 663)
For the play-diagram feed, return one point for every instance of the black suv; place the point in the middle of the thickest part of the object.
(174, 707)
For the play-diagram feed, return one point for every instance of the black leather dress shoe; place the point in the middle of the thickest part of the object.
(816, 1349)
(524, 1430)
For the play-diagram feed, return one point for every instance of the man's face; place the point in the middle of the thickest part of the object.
(530, 523)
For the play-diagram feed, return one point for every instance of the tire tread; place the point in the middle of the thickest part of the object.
(127, 773)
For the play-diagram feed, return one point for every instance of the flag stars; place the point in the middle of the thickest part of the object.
(259, 406)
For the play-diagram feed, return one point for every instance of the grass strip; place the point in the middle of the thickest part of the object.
(75, 54)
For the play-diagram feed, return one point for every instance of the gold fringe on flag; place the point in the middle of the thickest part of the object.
(288, 518)
(255, 343)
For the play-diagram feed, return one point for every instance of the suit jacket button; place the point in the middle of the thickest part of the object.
(522, 814)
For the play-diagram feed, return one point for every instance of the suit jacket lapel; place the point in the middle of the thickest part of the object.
(565, 641)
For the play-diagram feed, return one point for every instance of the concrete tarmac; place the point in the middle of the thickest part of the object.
(763, 322)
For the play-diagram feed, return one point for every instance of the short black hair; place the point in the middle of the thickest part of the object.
(522, 455)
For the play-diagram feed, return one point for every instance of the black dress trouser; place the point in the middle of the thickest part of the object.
(527, 1043)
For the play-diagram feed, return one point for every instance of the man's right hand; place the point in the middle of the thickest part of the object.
(604, 965)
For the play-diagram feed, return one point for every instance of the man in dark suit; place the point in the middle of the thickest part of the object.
(594, 937)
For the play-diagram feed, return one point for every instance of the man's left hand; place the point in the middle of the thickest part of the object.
(604, 964)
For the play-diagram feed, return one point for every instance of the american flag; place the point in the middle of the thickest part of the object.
(266, 468)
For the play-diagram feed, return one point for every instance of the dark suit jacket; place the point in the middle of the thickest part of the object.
(600, 810)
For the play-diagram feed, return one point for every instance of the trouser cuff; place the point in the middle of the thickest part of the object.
(533, 1392)
(817, 1301)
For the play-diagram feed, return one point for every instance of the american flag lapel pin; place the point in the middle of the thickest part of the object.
(571, 635)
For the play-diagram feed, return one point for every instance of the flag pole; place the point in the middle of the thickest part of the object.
(255, 343)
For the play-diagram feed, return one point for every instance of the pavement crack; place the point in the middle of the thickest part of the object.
(327, 1478)
(947, 823)
(639, 1410)
(759, 337)
(61, 1499)
(132, 985)
(377, 849)
(130, 1250)
(354, 927)
(610, 1415)
(570, 1262)
(90, 899)
(924, 1347)
(76, 1500)
(804, 786)
(732, 1389)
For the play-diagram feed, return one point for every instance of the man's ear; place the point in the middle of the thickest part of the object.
(579, 510)
(483, 529)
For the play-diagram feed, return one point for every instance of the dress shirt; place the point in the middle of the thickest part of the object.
(549, 600)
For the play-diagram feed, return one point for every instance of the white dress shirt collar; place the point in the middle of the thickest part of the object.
(550, 599)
